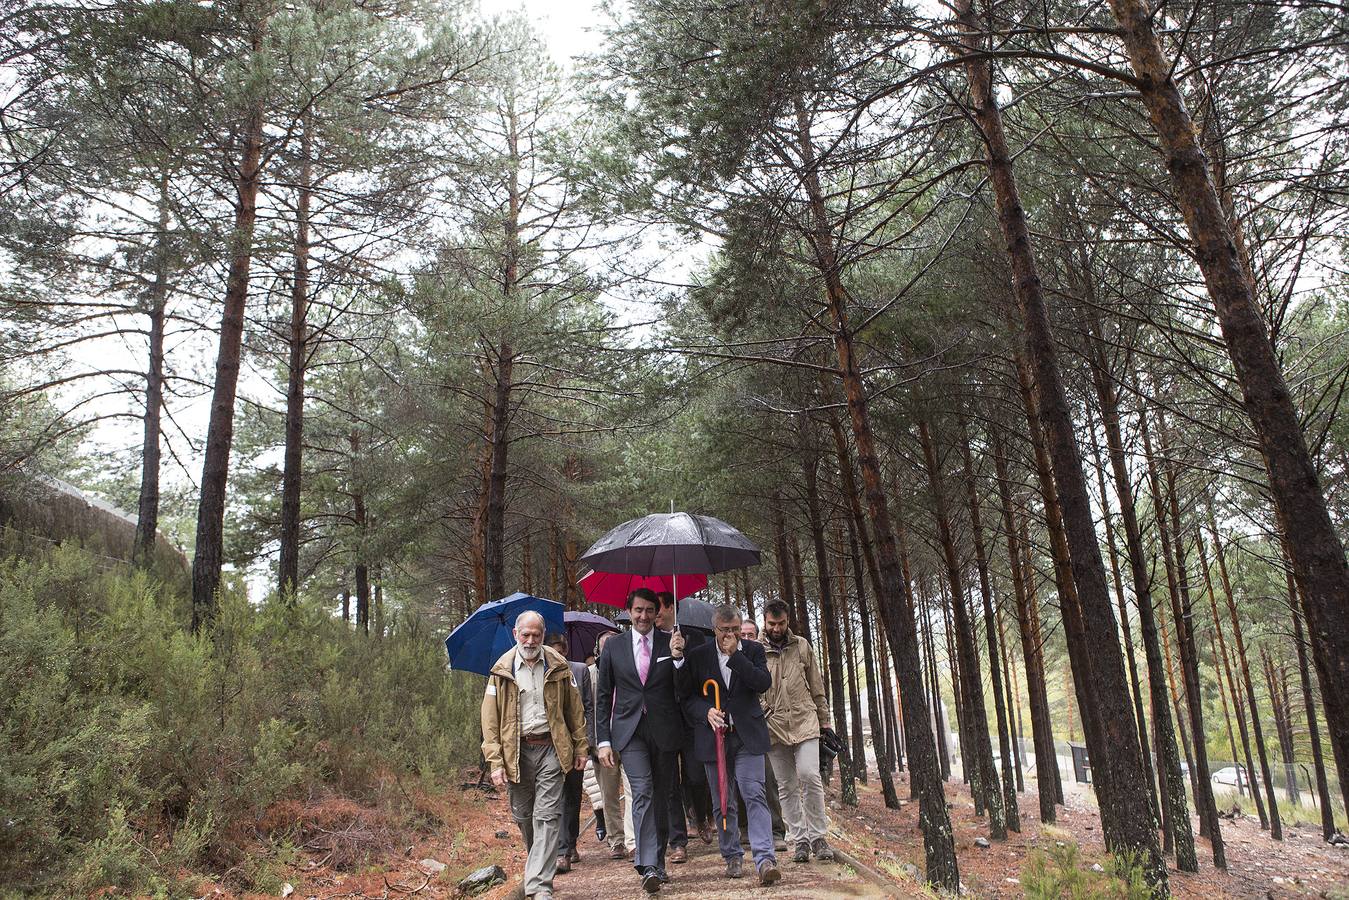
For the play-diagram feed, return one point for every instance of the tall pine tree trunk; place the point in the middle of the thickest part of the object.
(288, 583)
(1042, 734)
(210, 536)
(147, 507)
(1314, 545)
(1309, 702)
(1010, 811)
(828, 621)
(1089, 623)
(895, 604)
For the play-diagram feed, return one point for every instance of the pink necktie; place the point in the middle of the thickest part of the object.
(644, 659)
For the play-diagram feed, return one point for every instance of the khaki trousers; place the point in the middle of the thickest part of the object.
(536, 806)
(612, 784)
(800, 789)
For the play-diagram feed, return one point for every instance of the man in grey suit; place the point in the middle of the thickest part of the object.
(571, 786)
(638, 717)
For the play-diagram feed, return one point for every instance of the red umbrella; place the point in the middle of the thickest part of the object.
(720, 735)
(612, 588)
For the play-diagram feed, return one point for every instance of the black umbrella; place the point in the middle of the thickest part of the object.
(672, 544)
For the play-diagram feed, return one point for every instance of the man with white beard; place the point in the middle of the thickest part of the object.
(533, 732)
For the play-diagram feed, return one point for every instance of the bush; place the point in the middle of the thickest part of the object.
(131, 749)
(1058, 875)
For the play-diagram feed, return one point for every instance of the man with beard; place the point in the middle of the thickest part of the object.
(533, 732)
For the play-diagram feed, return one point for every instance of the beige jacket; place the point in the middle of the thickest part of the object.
(501, 715)
(794, 706)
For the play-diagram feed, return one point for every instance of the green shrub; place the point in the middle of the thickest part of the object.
(1059, 875)
(131, 749)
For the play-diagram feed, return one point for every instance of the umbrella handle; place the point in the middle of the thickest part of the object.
(716, 691)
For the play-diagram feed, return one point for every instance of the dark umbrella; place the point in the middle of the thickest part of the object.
(479, 641)
(672, 544)
(583, 630)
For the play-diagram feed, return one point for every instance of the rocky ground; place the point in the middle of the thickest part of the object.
(469, 829)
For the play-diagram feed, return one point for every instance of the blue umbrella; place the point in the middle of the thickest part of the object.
(479, 641)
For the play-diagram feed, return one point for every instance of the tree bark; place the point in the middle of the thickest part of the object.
(1275, 825)
(1011, 813)
(147, 507)
(881, 738)
(895, 604)
(1309, 702)
(1182, 614)
(1174, 810)
(297, 358)
(1231, 682)
(828, 621)
(210, 536)
(1315, 547)
(1089, 623)
(1042, 734)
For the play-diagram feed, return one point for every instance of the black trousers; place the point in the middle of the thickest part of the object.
(571, 811)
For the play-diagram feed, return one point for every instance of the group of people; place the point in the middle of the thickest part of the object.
(645, 718)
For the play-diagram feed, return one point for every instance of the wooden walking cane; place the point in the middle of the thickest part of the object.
(720, 735)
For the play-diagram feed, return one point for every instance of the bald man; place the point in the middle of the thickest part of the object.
(533, 733)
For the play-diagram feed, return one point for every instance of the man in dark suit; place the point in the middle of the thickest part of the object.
(740, 671)
(637, 715)
(688, 784)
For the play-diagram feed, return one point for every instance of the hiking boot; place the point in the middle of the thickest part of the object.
(679, 855)
(734, 867)
(822, 849)
(802, 853)
(617, 852)
(573, 856)
(768, 873)
(563, 864)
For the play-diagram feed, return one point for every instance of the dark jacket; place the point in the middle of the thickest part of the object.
(621, 696)
(740, 699)
(580, 676)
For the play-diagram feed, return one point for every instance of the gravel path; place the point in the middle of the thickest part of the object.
(703, 876)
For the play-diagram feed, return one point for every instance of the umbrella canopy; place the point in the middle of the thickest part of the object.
(479, 641)
(612, 588)
(695, 613)
(672, 544)
(583, 630)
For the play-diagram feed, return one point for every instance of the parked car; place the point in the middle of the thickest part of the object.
(1229, 775)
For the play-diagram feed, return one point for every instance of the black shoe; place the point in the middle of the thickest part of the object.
(600, 833)
(650, 880)
(662, 875)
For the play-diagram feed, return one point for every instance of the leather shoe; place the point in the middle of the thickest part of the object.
(768, 873)
(705, 832)
(563, 864)
(734, 867)
(573, 856)
(618, 853)
(650, 881)
(679, 855)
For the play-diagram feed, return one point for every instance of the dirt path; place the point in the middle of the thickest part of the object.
(703, 876)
